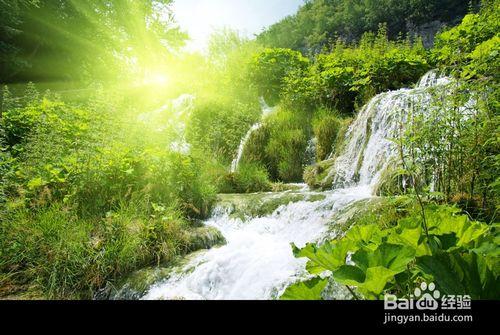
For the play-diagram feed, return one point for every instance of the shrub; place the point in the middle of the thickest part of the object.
(349, 75)
(249, 178)
(218, 124)
(270, 68)
(396, 257)
(79, 157)
(280, 145)
(326, 127)
(286, 149)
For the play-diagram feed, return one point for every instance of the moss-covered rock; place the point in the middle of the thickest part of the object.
(382, 211)
(204, 238)
(283, 187)
(318, 176)
(245, 206)
(135, 285)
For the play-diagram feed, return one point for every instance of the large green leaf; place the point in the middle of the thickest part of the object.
(374, 269)
(444, 220)
(367, 236)
(490, 251)
(376, 280)
(391, 256)
(329, 256)
(308, 290)
(371, 283)
(457, 274)
(410, 237)
(349, 275)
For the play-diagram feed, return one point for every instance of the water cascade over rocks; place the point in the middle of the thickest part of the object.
(171, 118)
(266, 110)
(257, 262)
(369, 147)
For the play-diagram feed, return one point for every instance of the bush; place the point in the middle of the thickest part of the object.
(270, 68)
(249, 178)
(89, 198)
(402, 251)
(469, 48)
(349, 75)
(218, 124)
(280, 145)
(77, 156)
(326, 127)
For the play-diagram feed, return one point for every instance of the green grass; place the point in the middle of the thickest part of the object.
(249, 178)
(68, 257)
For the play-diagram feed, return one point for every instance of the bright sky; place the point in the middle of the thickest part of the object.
(200, 17)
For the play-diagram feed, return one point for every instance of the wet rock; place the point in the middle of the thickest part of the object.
(244, 206)
(205, 238)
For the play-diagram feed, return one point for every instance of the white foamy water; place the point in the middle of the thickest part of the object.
(257, 263)
(171, 118)
(369, 141)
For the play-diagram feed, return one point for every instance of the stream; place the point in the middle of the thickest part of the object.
(257, 262)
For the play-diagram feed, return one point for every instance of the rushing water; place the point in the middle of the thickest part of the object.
(266, 110)
(171, 118)
(257, 262)
(369, 146)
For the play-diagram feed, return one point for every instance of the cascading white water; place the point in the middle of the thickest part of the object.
(257, 262)
(181, 107)
(311, 149)
(266, 110)
(171, 118)
(369, 147)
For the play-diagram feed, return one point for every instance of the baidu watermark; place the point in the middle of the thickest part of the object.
(427, 305)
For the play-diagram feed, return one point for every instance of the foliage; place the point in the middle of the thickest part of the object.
(88, 189)
(270, 68)
(69, 257)
(91, 189)
(91, 40)
(452, 146)
(394, 259)
(351, 74)
(471, 48)
(11, 13)
(249, 178)
(327, 128)
(218, 124)
(280, 145)
(319, 22)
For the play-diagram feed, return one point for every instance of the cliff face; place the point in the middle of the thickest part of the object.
(429, 30)
(426, 31)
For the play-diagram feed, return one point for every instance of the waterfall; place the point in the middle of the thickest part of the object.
(369, 148)
(311, 149)
(266, 110)
(257, 261)
(181, 107)
(171, 118)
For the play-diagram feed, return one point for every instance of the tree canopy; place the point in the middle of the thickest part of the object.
(73, 40)
(319, 22)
